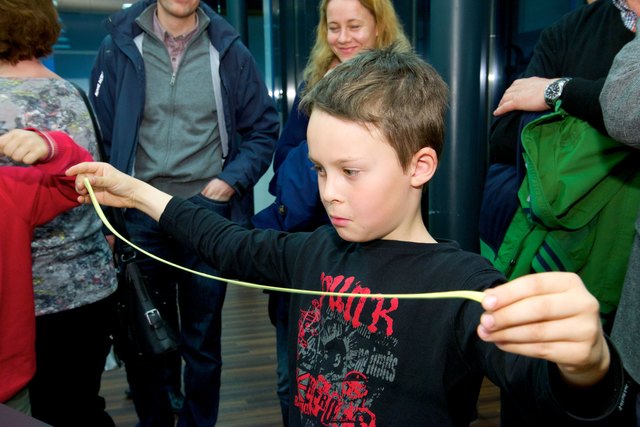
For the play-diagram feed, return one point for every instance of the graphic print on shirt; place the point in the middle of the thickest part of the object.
(345, 355)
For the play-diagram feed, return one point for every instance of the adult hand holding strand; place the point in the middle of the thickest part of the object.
(524, 95)
(550, 316)
(114, 188)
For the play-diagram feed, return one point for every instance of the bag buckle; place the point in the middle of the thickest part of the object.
(153, 317)
(127, 257)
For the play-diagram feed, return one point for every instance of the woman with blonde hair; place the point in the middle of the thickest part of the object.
(346, 28)
(323, 54)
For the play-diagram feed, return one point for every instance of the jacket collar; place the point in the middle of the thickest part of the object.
(123, 27)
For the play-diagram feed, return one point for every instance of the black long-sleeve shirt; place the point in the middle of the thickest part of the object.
(384, 361)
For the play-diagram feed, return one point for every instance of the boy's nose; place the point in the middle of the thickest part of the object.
(328, 192)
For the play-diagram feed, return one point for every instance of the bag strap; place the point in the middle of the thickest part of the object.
(127, 253)
(94, 121)
(149, 310)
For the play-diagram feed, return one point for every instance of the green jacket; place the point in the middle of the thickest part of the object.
(578, 204)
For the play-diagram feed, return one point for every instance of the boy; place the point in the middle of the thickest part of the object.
(29, 197)
(375, 133)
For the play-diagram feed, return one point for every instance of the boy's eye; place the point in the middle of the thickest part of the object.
(319, 169)
(351, 172)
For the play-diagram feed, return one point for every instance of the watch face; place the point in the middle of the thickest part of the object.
(553, 91)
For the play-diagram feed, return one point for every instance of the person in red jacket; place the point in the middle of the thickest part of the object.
(29, 196)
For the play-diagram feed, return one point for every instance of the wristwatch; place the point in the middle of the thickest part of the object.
(553, 92)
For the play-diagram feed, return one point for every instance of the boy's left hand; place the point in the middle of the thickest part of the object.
(550, 316)
(24, 146)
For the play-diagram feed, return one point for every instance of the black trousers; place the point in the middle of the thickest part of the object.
(71, 349)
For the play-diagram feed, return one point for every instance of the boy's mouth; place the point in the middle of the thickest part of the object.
(338, 221)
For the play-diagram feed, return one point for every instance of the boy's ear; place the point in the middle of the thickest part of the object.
(423, 165)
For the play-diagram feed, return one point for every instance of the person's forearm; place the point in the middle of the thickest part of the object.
(150, 200)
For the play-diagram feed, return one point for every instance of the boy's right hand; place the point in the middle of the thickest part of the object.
(24, 146)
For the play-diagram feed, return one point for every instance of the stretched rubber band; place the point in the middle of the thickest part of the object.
(471, 295)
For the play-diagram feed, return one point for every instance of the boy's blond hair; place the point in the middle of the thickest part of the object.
(391, 89)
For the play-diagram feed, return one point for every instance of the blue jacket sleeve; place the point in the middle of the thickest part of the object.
(297, 206)
(102, 95)
(256, 120)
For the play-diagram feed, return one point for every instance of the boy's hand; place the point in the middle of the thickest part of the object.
(114, 188)
(550, 316)
(24, 146)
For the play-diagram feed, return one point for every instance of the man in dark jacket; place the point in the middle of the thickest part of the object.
(183, 107)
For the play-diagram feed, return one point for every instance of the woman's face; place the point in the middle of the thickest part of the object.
(350, 28)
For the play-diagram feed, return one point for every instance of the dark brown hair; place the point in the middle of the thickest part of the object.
(391, 89)
(28, 29)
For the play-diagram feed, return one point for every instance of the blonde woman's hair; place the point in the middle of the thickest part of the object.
(388, 27)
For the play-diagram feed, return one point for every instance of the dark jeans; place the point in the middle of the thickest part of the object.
(193, 305)
(71, 349)
(279, 316)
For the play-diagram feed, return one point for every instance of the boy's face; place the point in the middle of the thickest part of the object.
(362, 185)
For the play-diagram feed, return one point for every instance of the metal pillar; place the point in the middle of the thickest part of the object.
(458, 50)
(237, 16)
(295, 22)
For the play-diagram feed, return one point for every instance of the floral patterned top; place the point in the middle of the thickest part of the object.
(72, 262)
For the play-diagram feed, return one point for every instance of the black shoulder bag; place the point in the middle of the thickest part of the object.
(140, 331)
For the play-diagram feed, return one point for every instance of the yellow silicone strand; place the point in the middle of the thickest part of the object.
(471, 295)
